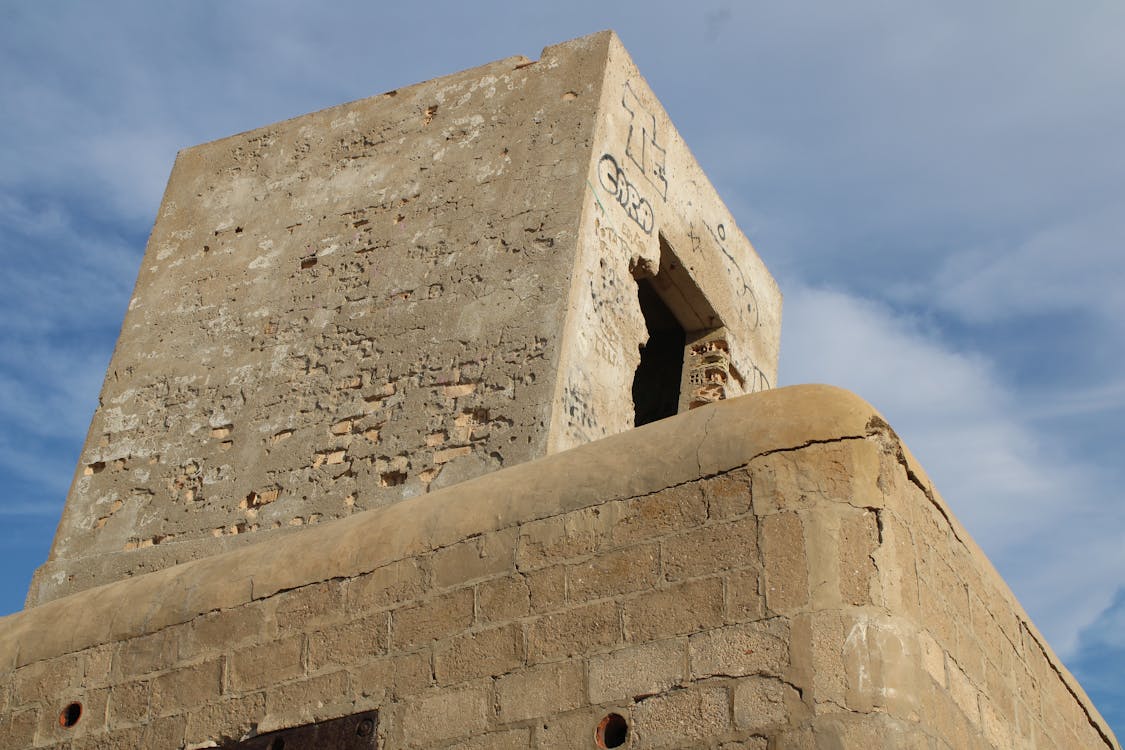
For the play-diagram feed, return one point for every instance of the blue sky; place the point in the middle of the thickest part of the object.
(938, 187)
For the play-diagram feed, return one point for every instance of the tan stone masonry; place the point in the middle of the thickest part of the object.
(773, 571)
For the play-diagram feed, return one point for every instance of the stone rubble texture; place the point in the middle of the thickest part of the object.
(773, 571)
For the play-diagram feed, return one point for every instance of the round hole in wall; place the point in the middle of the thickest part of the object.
(612, 731)
(70, 715)
(277, 744)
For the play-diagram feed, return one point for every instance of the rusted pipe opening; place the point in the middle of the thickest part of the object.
(612, 731)
(70, 715)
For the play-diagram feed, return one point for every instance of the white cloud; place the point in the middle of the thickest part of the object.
(1072, 265)
(1038, 515)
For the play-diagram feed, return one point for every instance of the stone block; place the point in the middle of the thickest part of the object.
(636, 671)
(692, 715)
(503, 599)
(881, 657)
(348, 643)
(216, 632)
(309, 606)
(480, 557)
(756, 648)
(390, 585)
(658, 514)
(745, 600)
(898, 569)
(513, 739)
(547, 588)
(128, 703)
(392, 678)
(437, 617)
(483, 653)
(762, 704)
(97, 667)
(267, 663)
(573, 730)
(559, 538)
(612, 573)
(540, 691)
(710, 549)
(816, 653)
(997, 728)
(933, 658)
(964, 693)
(163, 732)
(858, 540)
(677, 610)
(45, 681)
(230, 717)
(17, 728)
(186, 688)
(844, 472)
(785, 562)
(728, 495)
(444, 715)
(317, 698)
(129, 737)
(147, 653)
(577, 631)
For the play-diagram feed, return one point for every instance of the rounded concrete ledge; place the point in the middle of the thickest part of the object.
(700, 443)
(844, 515)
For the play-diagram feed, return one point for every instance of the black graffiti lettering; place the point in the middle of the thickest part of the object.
(746, 292)
(642, 147)
(758, 381)
(696, 240)
(612, 178)
(608, 174)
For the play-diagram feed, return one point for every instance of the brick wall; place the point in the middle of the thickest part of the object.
(785, 586)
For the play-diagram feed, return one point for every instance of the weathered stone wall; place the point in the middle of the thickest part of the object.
(769, 572)
(649, 212)
(364, 304)
(338, 311)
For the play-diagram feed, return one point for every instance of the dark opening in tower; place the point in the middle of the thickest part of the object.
(675, 312)
(656, 384)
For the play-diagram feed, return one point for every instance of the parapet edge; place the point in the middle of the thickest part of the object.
(702, 442)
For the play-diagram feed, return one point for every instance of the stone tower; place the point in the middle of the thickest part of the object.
(485, 365)
(394, 295)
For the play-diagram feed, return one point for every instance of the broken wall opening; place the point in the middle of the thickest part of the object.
(678, 317)
(656, 383)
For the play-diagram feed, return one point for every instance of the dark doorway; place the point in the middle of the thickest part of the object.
(656, 384)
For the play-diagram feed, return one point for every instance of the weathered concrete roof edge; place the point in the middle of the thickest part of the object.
(512, 61)
(702, 442)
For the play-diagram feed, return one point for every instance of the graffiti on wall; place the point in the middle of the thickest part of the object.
(642, 146)
(613, 179)
(744, 291)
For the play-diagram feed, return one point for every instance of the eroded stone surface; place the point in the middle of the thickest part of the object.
(367, 303)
